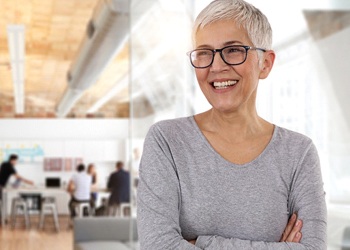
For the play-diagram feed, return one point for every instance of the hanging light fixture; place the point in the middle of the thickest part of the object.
(16, 42)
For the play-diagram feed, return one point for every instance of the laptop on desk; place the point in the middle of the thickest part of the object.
(53, 182)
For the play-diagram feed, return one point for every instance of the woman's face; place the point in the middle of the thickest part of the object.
(240, 96)
(92, 169)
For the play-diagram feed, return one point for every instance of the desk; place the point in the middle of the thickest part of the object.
(61, 195)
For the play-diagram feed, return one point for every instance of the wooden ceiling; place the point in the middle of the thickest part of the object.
(54, 32)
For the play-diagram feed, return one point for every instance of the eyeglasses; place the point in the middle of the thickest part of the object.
(231, 55)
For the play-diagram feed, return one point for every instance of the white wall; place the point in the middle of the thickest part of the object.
(101, 141)
(63, 128)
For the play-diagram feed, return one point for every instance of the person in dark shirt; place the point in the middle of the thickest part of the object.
(7, 169)
(119, 185)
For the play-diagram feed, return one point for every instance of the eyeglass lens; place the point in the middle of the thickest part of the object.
(233, 55)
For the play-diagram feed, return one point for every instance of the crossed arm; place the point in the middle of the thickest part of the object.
(160, 230)
(292, 232)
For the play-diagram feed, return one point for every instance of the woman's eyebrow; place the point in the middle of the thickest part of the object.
(232, 42)
(205, 46)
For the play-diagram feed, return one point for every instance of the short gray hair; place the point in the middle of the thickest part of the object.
(244, 14)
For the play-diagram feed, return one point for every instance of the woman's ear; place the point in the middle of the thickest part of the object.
(267, 63)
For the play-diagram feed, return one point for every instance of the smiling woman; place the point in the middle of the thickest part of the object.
(226, 178)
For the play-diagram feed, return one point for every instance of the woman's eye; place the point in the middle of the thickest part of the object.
(234, 50)
(203, 53)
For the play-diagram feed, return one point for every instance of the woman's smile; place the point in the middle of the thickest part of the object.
(223, 84)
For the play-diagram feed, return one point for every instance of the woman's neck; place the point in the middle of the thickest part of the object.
(233, 125)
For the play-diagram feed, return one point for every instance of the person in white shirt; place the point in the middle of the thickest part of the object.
(79, 187)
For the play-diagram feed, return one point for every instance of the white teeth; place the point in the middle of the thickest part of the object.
(223, 85)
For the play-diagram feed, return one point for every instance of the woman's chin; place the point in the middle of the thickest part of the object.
(225, 108)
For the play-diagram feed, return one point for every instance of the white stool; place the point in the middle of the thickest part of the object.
(79, 211)
(123, 206)
(48, 205)
(118, 209)
(80, 206)
(19, 203)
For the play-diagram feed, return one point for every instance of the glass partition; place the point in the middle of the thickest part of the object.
(161, 79)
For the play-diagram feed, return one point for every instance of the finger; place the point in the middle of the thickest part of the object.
(192, 242)
(289, 227)
(296, 229)
(297, 237)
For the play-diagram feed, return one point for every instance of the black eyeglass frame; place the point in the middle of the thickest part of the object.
(214, 51)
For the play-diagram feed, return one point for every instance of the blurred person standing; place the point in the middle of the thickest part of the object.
(7, 169)
(119, 185)
(80, 187)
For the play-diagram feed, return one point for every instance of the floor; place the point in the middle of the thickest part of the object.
(34, 239)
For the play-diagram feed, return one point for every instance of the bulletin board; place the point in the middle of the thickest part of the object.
(27, 151)
(59, 164)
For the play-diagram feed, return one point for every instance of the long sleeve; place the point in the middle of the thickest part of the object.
(307, 199)
(187, 191)
(159, 198)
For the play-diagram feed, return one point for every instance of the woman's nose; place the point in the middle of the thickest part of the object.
(218, 63)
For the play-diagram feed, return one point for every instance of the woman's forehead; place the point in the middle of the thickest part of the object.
(221, 33)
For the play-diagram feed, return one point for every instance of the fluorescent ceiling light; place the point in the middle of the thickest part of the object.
(16, 44)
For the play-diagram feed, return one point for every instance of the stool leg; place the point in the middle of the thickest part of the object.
(13, 214)
(2, 213)
(119, 213)
(89, 208)
(42, 218)
(55, 218)
(77, 211)
(81, 211)
(92, 211)
(26, 216)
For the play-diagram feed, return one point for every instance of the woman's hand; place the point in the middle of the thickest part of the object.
(292, 231)
(192, 241)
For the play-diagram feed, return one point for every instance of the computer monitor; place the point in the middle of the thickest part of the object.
(53, 182)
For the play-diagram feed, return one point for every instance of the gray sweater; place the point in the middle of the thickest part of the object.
(187, 191)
